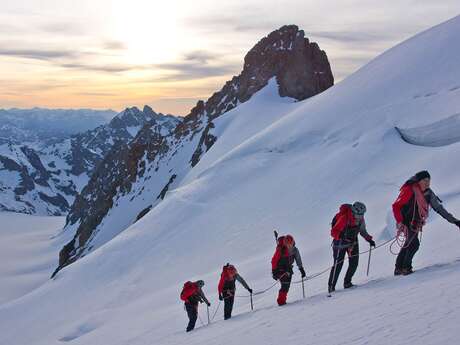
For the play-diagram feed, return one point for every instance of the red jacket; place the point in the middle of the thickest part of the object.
(404, 197)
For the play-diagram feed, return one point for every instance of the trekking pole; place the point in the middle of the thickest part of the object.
(369, 260)
(303, 288)
(207, 308)
(336, 258)
(252, 305)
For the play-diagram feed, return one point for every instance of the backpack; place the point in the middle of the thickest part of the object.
(280, 252)
(227, 271)
(344, 208)
(188, 290)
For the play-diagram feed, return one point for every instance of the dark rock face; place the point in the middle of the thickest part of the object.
(301, 68)
(153, 163)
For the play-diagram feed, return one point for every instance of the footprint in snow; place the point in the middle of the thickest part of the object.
(81, 330)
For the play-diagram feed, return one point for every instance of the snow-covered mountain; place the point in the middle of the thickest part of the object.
(134, 179)
(49, 125)
(285, 165)
(39, 177)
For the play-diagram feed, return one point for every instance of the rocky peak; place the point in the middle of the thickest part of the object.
(148, 111)
(301, 69)
(129, 117)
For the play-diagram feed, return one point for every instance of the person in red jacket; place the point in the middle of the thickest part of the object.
(346, 226)
(411, 211)
(192, 294)
(227, 288)
(282, 261)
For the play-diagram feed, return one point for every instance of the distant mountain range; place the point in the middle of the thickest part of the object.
(49, 125)
(45, 160)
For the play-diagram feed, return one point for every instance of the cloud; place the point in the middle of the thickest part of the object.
(70, 59)
(67, 28)
(38, 54)
(196, 64)
(98, 94)
(188, 71)
(200, 56)
(102, 68)
(113, 45)
(241, 23)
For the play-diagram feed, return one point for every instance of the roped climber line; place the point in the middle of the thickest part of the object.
(398, 239)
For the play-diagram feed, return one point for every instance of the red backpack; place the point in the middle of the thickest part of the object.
(345, 210)
(228, 273)
(281, 250)
(188, 290)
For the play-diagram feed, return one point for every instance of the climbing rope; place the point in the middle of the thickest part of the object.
(399, 239)
(215, 312)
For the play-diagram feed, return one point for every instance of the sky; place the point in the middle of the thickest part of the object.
(113, 54)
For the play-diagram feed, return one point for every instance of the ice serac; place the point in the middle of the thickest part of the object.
(134, 178)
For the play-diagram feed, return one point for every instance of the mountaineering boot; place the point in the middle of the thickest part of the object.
(398, 272)
(331, 289)
(406, 271)
(348, 285)
(282, 296)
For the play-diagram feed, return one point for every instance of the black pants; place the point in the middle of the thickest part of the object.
(405, 256)
(229, 299)
(339, 248)
(192, 312)
(285, 280)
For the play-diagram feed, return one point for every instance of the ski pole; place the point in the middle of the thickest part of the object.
(369, 259)
(252, 305)
(303, 288)
(207, 308)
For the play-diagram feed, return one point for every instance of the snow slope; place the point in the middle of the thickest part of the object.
(288, 172)
(27, 252)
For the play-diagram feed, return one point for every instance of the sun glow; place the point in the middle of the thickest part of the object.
(148, 29)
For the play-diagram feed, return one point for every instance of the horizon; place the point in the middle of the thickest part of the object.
(62, 55)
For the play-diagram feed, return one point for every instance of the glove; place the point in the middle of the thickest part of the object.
(208, 304)
(221, 298)
(275, 274)
(250, 290)
(372, 243)
(457, 223)
(302, 272)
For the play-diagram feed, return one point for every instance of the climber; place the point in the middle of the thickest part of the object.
(227, 288)
(411, 211)
(283, 259)
(192, 294)
(346, 225)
